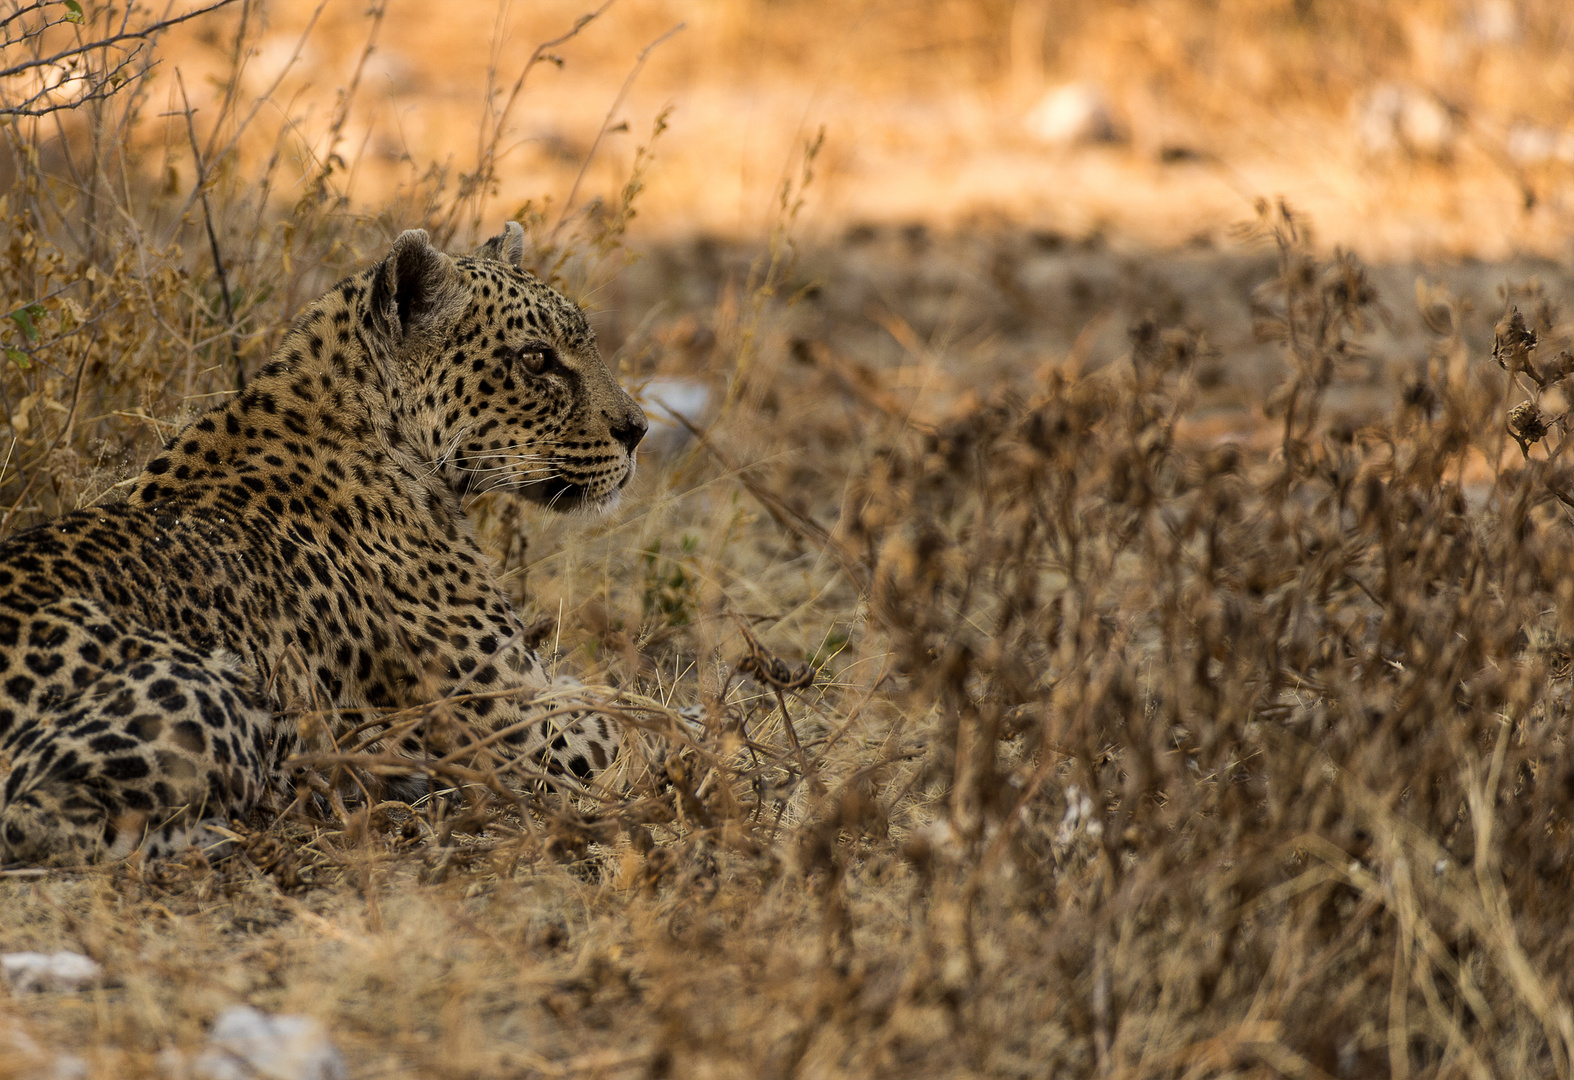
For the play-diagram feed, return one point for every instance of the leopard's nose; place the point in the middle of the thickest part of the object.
(632, 428)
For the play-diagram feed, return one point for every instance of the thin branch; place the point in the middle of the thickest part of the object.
(61, 436)
(213, 238)
(25, 9)
(32, 352)
(104, 43)
(486, 155)
(266, 97)
(47, 296)
(239, 57)
(100, 88)
(606, 122)
(341, 113)
(100, 85)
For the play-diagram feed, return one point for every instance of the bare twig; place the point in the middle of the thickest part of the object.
(61, 436)
(101, 84)
(606, 123)
(473, 187)
(794, 522)
(213, 238)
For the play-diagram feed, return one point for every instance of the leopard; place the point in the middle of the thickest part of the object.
(305, 548)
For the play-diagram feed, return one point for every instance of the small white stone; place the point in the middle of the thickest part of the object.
(1077, 112)
(35, 972)
(67, 1067)
(1494, 22)
(1537, 145)
(1398, 117)
(663, 399)
(249, 1045)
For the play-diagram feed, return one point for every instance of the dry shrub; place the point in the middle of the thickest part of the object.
(1261, 762)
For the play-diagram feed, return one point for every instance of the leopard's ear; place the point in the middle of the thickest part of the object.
(507, 246)
(415, 287)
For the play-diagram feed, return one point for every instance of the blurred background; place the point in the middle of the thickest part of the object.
(1401, 127)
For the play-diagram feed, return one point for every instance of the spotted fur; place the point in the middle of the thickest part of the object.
(304, 545)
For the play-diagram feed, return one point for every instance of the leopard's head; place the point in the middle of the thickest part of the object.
(497, 381)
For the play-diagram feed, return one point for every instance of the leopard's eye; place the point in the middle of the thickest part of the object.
(539, 358)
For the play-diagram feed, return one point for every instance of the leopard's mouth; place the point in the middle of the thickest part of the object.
(559, 493)
(556, 493)
(565, 496)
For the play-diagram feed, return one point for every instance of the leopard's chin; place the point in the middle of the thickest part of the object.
(565, 496)
(556, 493)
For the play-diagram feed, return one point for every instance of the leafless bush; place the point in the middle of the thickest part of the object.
(48, 70)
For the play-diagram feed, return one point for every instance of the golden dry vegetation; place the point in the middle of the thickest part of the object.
(1128, 637)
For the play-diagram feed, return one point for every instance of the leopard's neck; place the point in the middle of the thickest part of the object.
(321, 419)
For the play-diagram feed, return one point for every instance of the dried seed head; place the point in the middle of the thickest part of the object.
(1514, 340)
(1526, 424)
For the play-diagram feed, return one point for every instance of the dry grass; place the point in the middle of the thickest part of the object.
(1190, 639)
